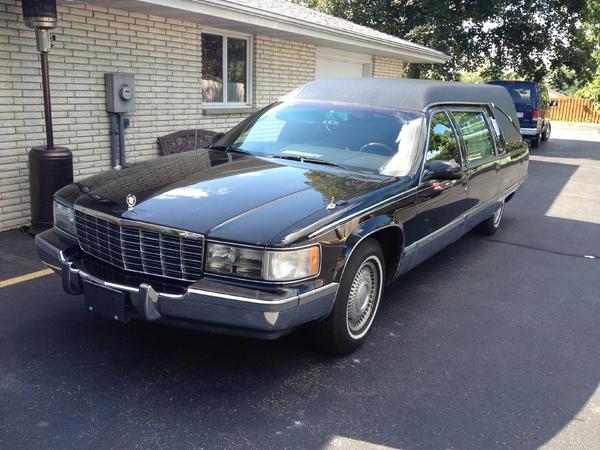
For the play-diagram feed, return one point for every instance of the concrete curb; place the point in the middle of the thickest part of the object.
(593, 126)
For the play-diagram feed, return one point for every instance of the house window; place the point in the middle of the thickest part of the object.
(225, 69)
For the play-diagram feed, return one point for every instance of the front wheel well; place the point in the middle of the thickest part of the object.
(391, 241)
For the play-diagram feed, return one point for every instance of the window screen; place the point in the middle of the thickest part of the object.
(476, 134)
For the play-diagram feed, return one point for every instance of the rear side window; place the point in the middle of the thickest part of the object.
(522, 94)
(476, 135)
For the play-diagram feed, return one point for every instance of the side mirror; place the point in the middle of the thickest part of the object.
(443, 170)
(216, 137)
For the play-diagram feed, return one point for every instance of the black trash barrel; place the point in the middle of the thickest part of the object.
(49, 170)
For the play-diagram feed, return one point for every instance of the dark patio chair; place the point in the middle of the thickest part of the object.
(185, 140)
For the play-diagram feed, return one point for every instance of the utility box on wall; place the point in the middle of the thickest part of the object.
(120, 92)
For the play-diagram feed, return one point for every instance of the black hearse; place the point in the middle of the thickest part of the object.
(531, 102)
(301, 214)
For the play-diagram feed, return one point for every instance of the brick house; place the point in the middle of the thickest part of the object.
(179, 51)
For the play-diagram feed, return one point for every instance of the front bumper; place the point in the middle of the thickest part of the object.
(208, 304)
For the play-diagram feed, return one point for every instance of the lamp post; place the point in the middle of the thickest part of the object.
(50, 167)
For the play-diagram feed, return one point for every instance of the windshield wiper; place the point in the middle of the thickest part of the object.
(308, 160)
(229, 148)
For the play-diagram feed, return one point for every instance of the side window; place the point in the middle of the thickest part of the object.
(476, 135)
(443, 144)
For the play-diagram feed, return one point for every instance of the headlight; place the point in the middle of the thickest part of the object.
(234, 261)
(269, 265)
(64, 218)
(286, 265)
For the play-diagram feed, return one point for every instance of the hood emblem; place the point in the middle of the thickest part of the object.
(131, 201)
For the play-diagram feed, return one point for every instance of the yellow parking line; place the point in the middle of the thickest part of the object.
(26, 277)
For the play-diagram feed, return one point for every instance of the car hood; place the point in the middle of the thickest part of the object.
(227, 196)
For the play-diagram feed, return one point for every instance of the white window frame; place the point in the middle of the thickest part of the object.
(249, 46)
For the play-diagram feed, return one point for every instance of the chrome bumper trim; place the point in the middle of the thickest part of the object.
(529, 131)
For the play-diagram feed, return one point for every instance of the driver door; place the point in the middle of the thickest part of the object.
(441, 203)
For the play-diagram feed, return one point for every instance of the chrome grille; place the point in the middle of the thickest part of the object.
(140, 249)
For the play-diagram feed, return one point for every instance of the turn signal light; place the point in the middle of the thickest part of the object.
(536, 114)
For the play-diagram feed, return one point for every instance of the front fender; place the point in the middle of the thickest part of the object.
(371, 227)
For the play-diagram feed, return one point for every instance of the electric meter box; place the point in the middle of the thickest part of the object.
(120, 92)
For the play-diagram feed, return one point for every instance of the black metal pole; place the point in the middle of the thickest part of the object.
(47, 103)
(122, 140)
(114, 140)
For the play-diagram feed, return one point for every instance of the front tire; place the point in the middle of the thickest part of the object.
(356, 302)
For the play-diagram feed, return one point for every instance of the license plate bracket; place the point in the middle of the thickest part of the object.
(105, 301)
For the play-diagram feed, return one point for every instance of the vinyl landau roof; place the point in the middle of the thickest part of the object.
(412, 94)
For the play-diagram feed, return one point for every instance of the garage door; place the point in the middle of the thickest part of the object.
(333, 63)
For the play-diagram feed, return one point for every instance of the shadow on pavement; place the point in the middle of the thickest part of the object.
(555, 148)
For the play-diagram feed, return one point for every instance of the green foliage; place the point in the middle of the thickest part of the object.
(591, 90)
(532, 38)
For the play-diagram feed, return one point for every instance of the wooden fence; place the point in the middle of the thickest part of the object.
(574, 110)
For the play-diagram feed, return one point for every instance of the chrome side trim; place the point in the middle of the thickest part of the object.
(242, 299)
(458, 104)
(382, 203)
(462, 218)
(329, 286)
(283, 301)
(437, 233)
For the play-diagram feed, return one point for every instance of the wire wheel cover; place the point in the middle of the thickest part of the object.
(498, 215)
(362, 297)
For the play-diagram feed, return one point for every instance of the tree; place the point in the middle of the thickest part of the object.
(592, 27)
(529, 37)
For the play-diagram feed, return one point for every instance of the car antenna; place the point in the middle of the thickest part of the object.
(331, 204)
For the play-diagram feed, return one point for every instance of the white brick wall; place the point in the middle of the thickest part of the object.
(280, 66)
(387, 67)
(163, 53)
(165, 56)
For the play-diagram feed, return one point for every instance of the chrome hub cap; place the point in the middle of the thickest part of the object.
(498, 215)
(363, 295)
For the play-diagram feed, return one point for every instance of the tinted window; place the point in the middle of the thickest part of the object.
(443, 145)
(476, 134)
(522, 94)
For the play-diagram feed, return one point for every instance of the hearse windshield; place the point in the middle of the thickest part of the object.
(362, 138)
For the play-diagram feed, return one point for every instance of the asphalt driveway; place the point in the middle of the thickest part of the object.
(493, 343)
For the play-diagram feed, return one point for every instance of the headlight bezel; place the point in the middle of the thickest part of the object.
(61, 211)
(267, 254)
